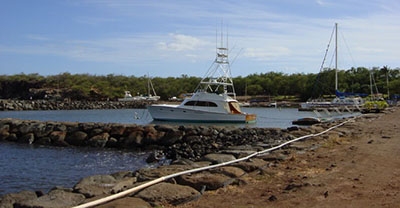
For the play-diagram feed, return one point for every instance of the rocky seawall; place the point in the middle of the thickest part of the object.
(190, 142)
(17, 105)
(188, 146)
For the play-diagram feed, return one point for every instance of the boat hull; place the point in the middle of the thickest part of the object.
(176, 113)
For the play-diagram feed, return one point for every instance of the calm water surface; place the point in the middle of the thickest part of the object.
(266, 117)
(30, 167)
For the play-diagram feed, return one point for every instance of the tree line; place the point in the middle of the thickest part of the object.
(111, 87)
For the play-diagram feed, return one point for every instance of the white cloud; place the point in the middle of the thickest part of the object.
(181, 42)
(269, 53)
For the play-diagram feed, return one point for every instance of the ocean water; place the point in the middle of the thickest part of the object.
(32, 167)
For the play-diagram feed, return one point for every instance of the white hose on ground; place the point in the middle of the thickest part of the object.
(158, 180)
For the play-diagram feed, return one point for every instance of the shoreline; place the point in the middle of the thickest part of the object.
(231, 173)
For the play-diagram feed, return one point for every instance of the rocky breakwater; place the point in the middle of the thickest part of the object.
(189, 147)
(175, 142)
(17, 105)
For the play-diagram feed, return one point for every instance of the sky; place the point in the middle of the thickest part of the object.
(171, 38)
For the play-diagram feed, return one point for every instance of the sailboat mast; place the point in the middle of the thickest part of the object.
(336, 58)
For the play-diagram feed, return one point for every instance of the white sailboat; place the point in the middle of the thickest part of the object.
(214, 99)
(341, 99)
(150, 88)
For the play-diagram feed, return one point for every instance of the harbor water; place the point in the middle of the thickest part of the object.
(32, 167)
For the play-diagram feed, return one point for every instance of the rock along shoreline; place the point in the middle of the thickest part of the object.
(20, 105)
(187, 146)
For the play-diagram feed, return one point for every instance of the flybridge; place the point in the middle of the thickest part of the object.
(218, 78)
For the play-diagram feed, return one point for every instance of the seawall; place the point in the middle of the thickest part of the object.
(190, 142)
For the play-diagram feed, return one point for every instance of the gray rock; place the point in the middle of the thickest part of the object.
(123, 185)
(25, 127)
(112, 142)
(127, 202)
(12, 137)
(95, 185)
(251, 165)
(134, 139)
(233, 172)
(4, 135)
(8, 200)
(146, 174)
(171, 137)
(218, 158)
(4, 127)
(168, 193)
(152, 135)
(58, 137)
(40, 129)
(117, 131)
(205, 180)
(99, 140)
(77, 138)
(27, 138)
(54, 199)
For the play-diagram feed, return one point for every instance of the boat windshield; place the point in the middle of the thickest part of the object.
(200, 103)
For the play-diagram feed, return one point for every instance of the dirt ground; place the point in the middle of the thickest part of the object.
(362, 170)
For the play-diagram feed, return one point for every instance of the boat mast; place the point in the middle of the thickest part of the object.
(336, 58)
(218, 77)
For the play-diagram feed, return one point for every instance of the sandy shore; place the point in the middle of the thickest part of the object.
(361, 170)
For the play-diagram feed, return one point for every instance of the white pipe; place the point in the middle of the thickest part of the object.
(158, 180)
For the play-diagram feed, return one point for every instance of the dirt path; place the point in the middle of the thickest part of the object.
(362, 170)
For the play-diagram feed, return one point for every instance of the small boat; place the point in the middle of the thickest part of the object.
(214, 100)
(128, 97)
(308, 121)
(150, 97)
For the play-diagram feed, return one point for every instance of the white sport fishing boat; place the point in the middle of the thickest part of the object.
(211, 101)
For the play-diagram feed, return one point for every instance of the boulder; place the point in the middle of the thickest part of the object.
(117, 131)
(77, 138)
(171, 137)
(41, 129)
(218, 158)
(123, 185)
(127, 202)
(58, 137)
(151, 135)
(54, 199)
(25, 127)
(95, 185)
(205, 180)
(4, 127)
(99, 140)
(8, 200)
(146, 174)
(251, 165)
(134, 139)
(168, 193)
(112, 142)
(233, 172)
(28, 138)
(12, 137)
